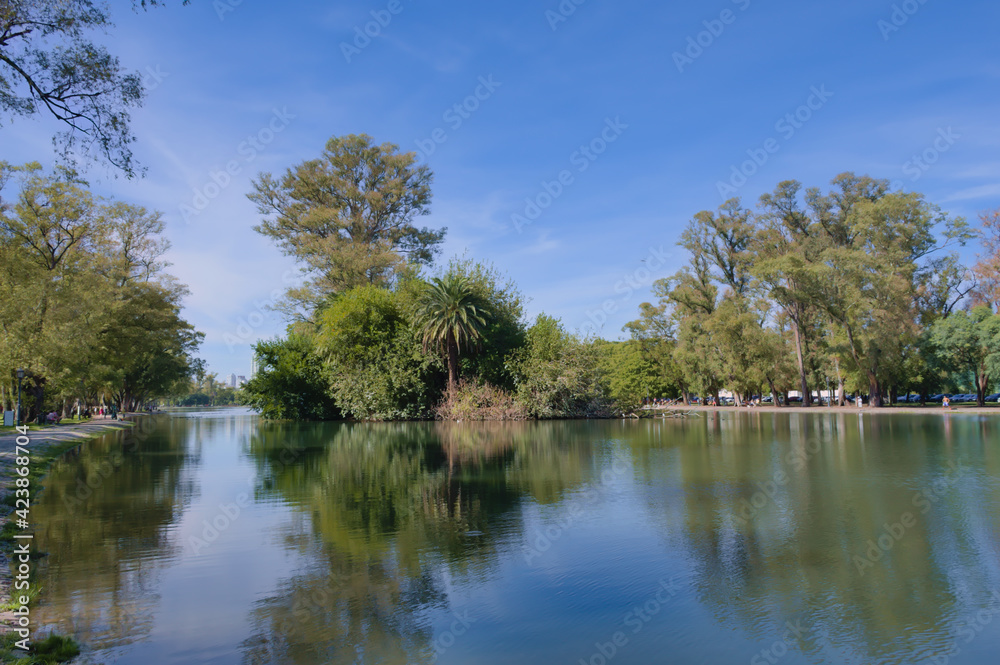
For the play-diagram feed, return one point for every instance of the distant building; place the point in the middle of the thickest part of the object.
(253, 365)
(232, 380)
(241, 381)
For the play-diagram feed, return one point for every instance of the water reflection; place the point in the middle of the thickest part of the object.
(876, 536)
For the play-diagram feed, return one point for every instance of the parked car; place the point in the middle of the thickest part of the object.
(995, 397)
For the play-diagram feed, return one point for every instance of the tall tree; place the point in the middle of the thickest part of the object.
(968, 342)
(49, 65)
(450, 316)
(348, 217)
(987, 269)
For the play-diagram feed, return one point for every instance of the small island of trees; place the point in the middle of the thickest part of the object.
(859, 290)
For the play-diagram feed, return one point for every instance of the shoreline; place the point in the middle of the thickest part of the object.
(47, 445)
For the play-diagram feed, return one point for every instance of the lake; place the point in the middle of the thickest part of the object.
(749, 537)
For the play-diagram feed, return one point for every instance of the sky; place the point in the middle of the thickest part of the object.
(571, 142)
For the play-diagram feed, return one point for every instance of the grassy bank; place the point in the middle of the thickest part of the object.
(47, 444)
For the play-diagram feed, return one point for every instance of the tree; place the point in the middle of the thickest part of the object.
(559, 375)
(290, 383)
(373, 357)
(504, 333)
(987, 269)
(85, 304)
(450, 316)
(878, 246)
(49, 65)
(968, 341)
(348, 217)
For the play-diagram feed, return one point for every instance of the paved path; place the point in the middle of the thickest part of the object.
(42, 439)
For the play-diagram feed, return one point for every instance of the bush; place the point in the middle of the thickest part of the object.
(480, 401)
(559, 375)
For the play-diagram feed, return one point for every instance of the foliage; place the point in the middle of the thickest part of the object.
(348, 217)
(559, 376)
(476, 400)
(987, 269)
(290, 383)
(632, 375)
(86, 306)
(376, 367)
(449, 315)
(50, 65)
(839, 284)
(970, 342)
(504, 332)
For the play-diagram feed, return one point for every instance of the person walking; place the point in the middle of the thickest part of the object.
(946, 403)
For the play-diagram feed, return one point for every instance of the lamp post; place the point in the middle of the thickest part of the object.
(20, 377)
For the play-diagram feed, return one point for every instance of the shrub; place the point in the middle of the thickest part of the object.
(480, 401)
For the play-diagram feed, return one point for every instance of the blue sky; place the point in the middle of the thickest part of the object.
(641, 107)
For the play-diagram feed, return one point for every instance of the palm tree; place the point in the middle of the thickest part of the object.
(450, 315)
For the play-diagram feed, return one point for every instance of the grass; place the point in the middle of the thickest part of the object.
(53, 649)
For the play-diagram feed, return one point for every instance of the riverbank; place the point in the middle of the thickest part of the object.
(889, 410)
(46, 445)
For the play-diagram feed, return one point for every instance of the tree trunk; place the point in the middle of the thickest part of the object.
(803, 381)
(982, 385)
(774, 393)
(874, 391)
(452, 364)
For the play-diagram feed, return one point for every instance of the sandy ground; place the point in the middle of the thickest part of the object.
(40, 441)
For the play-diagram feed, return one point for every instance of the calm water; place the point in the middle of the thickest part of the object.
(742, 538)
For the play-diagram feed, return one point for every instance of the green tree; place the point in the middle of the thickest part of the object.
(631, 375)
(970, 342)
(987, 269)
(374, 360)
(85, 304)
(559, 375)
(50, 65)
(504, 333)
(449, 315)
(348, 217)
(290, 383)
